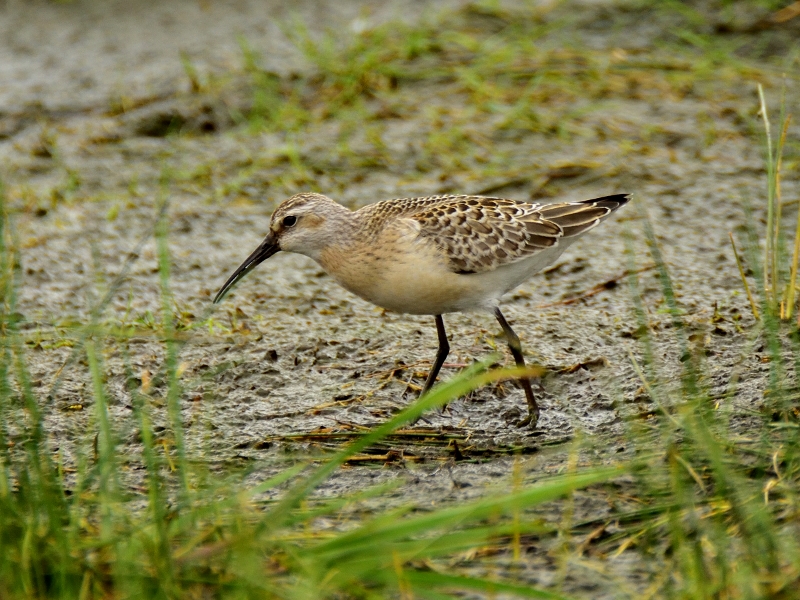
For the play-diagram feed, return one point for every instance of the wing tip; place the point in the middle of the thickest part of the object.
(612, 202)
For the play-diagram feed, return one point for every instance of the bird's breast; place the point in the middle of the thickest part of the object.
(406, 275)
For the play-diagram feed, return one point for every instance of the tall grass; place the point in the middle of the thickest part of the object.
(721, 494)
(779, 290)
(708, 483)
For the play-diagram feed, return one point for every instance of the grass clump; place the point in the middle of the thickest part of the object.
(707, 512)
(779, 291)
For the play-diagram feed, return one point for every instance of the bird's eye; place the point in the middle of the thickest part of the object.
(289, 221)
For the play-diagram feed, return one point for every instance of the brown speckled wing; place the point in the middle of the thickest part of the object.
(478, 234)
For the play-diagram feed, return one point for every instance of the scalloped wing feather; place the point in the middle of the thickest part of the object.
(478, 234)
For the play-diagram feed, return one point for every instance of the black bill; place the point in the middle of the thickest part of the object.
(267, 248)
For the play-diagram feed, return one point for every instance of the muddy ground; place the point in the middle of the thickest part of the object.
(290, 358)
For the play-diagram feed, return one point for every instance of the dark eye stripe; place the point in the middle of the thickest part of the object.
(289, 221)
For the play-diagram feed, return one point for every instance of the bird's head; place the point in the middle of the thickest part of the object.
(305, 223)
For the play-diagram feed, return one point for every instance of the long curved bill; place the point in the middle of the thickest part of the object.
(267, 248)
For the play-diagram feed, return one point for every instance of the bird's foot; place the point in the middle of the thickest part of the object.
(530, 421)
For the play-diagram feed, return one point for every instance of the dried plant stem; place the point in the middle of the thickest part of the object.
(753, 306)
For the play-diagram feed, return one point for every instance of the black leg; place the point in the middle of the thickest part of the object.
(441, 354)
(516, 351)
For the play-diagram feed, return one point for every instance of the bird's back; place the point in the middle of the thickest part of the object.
(477, 234)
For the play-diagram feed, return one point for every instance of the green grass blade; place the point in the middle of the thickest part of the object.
(428, 579)
(472, 511)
